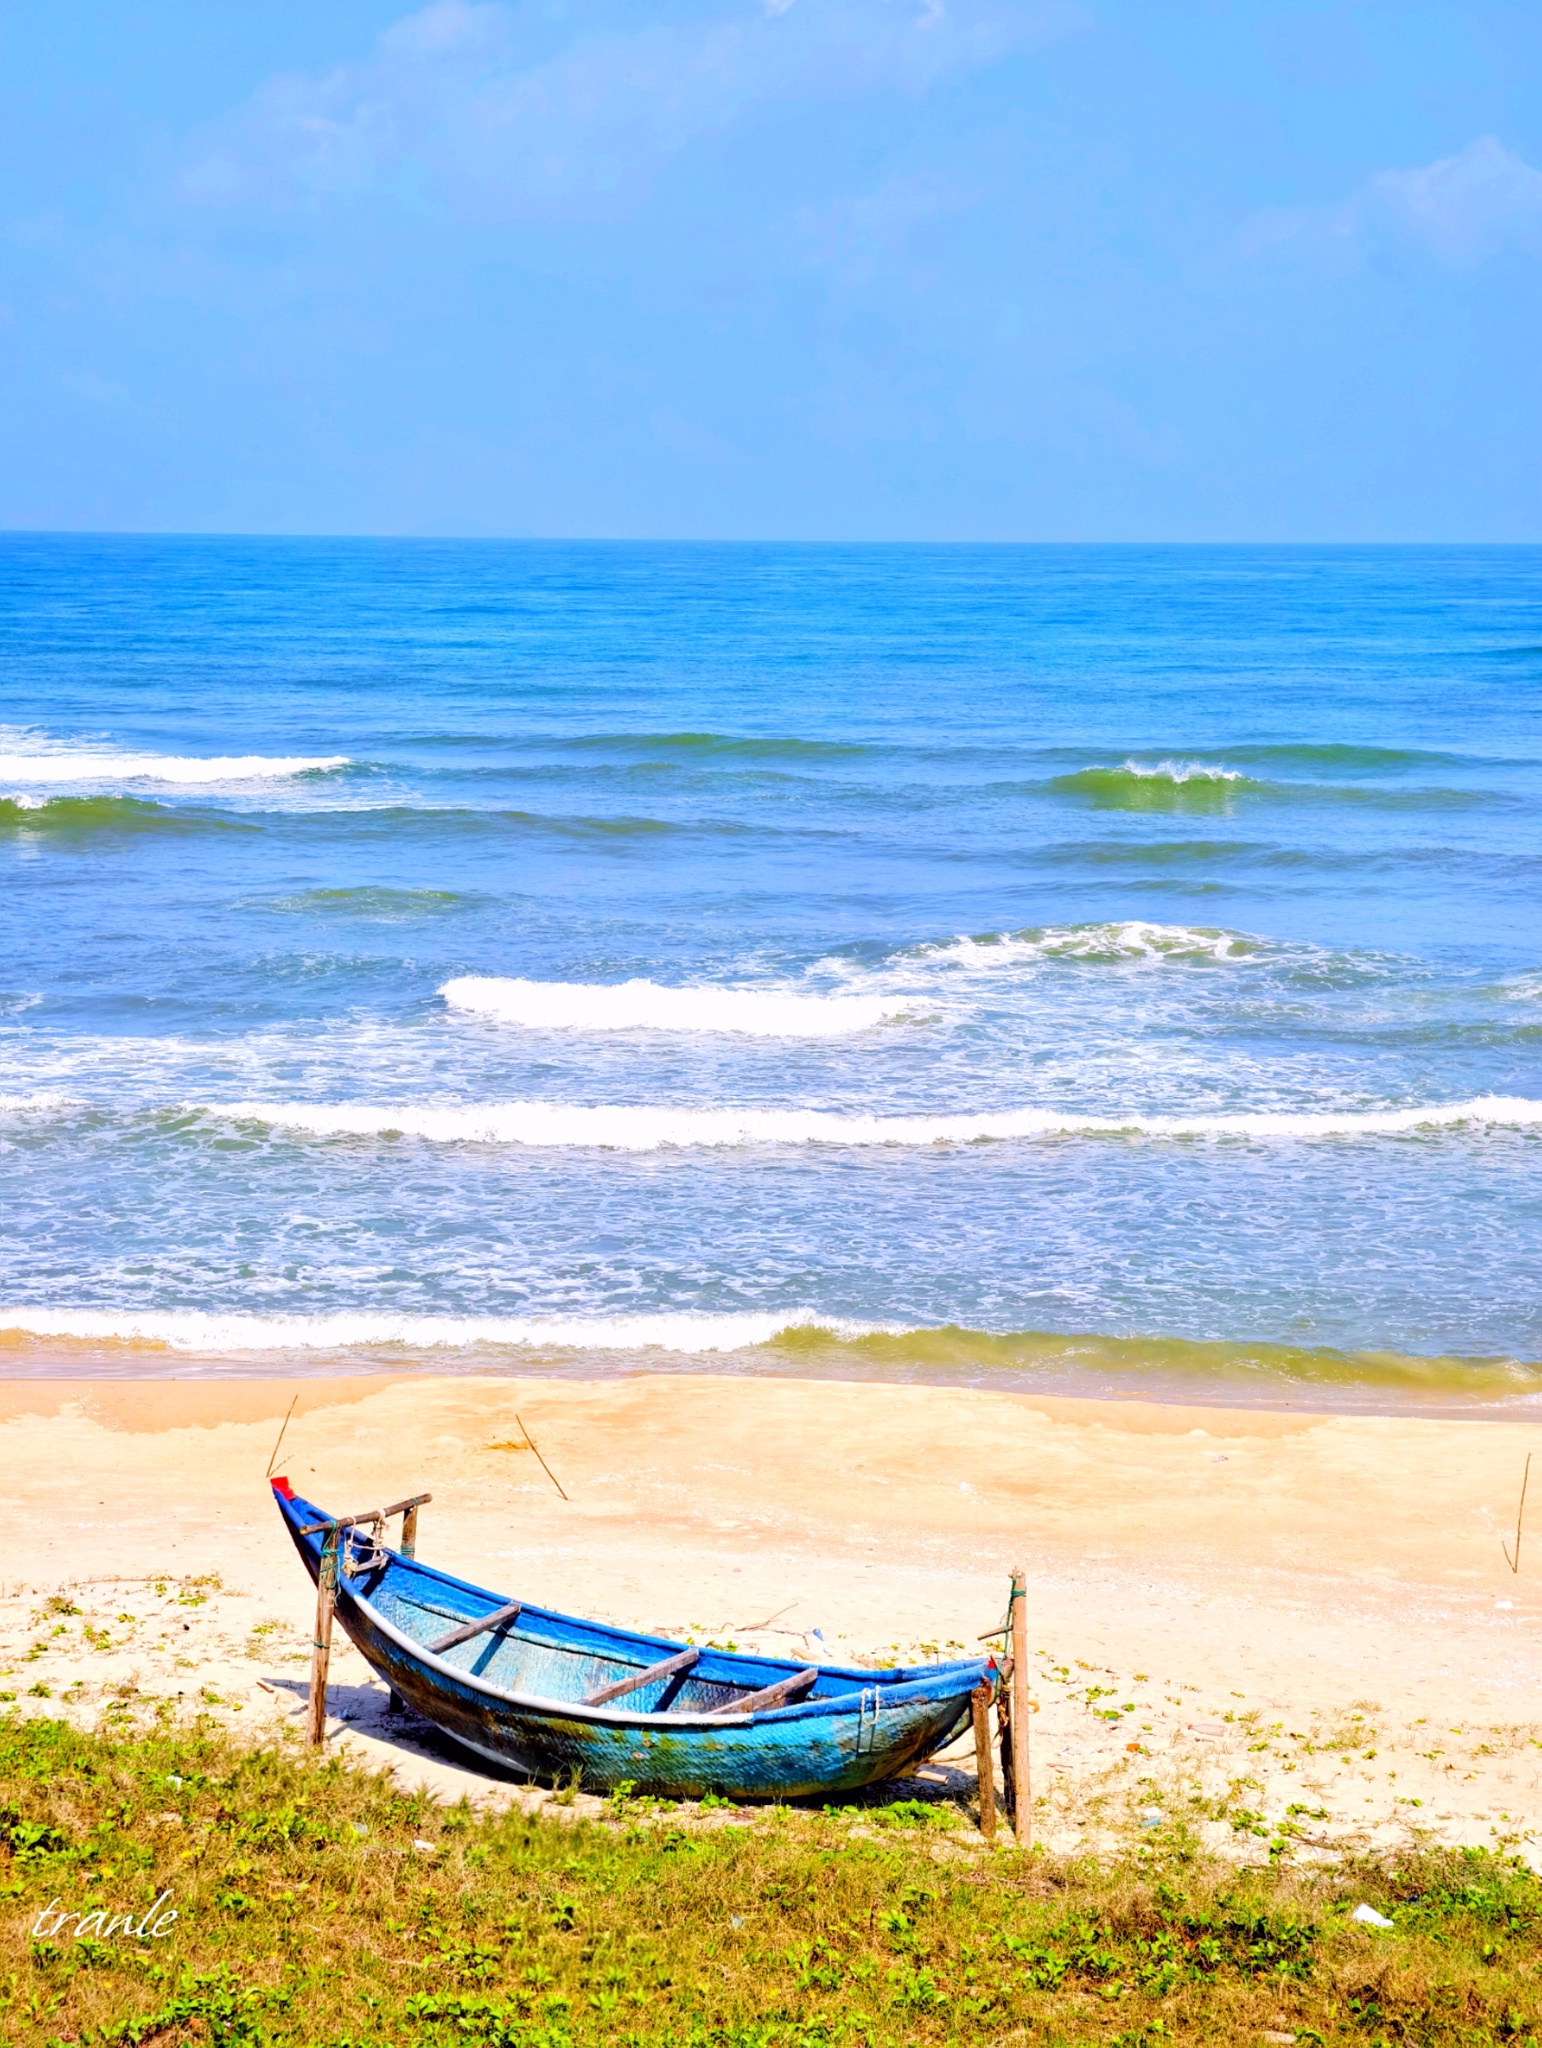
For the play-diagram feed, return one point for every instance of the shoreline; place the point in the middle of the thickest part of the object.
(28, 1360)
(1316, 1605)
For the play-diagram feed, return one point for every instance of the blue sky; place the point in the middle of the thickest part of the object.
(796, 269)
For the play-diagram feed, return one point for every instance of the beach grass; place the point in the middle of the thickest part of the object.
(317, 1904)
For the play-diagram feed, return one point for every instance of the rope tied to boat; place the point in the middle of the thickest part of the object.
(1017, 1593)
(364, 1553)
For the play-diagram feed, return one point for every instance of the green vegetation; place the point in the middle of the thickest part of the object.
(319, 1906)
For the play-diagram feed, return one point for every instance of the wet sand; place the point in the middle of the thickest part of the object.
(1279, 1609)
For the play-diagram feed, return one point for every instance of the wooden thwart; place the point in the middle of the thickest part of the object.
(499, 1618)
(665, 1669)
(771, 1695)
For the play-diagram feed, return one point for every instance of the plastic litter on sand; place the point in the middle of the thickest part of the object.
(1367, 1916)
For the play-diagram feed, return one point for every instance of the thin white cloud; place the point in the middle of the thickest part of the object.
(1460, 209)
(1467, 206)
(856, 238)
(475, 97)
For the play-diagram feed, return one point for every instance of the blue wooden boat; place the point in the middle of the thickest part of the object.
(568, 1700)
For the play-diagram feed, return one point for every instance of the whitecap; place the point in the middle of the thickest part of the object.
(1181, 771)
(344, 1329)
(1124, 939)
(550, 1125)
(645, 1006)
(171, 768)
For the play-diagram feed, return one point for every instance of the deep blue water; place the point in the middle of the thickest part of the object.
(976, 892)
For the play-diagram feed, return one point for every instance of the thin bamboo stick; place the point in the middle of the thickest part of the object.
(1515, 1563)
(1021, 1779)
(980, 1709)
(529, 1439)
(283, 1426)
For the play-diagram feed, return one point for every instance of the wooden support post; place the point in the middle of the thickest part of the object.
(1021, 1709)
(409, 1548)
(321, 1644)
(980, 1708)
(1004, 1744)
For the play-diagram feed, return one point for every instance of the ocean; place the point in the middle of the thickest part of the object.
(1101, 970)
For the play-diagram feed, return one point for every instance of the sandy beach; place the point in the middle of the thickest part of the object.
(1307, 1618)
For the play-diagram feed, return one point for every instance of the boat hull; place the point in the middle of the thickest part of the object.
(516, 1701)
(757, 1759)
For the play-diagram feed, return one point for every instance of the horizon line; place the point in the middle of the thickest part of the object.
(149, 533)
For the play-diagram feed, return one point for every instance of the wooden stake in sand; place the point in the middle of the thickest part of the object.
(1020, 1711)
(280, 1444)
(529, 1439)
(1519, 1512)
(980, 1709)
(321, 1642)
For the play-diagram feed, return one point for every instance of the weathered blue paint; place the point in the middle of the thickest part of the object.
(516, 1697)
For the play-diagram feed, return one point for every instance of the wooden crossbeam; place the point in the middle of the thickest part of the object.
(665, 1669)
(499, 1618)
(771, 1695)
(397, 1507)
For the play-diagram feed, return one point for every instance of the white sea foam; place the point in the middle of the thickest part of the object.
(1128, 939)
(644, 1006)
(626, 1129)
(199, 1330)
(1181, 771)
(70, 766)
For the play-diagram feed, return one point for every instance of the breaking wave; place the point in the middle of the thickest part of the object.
(546, 1125)
(171, 768)
(1157, 786)
(1130, 939)
(84, 817)
(1229, 1369)
(801, 1343)
(200, 1330)
(644, 1006)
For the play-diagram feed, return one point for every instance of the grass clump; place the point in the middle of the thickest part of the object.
(318, 1906)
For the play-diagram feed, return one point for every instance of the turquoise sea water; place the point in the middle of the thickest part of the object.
(900, 960)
